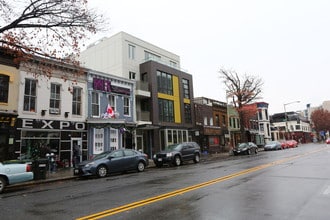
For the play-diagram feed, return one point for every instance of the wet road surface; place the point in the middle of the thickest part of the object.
(287, 184)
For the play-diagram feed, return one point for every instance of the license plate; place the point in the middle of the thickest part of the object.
(160, 159)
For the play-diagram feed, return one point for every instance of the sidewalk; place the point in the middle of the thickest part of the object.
(67, 173)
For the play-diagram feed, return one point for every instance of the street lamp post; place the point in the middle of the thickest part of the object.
(286, 116)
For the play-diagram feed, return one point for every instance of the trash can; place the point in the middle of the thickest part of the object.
(39, 168)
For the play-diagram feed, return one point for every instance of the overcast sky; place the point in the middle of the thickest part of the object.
(284, 42)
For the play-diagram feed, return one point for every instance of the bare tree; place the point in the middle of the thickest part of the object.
(51, 29)
(241, 91)
(321, 120)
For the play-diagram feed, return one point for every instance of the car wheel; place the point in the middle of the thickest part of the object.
(197, 158)
(102, 171)
(248, 152)
(140, 166)
(2, 184)
(177, 160)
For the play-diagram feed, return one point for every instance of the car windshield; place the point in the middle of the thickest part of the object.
(174, 147)
(101, 155)
(242, 145)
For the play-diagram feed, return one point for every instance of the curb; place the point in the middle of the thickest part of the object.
(204, 157)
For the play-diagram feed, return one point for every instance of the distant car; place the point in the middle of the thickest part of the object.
(292, 143)
(113, 162)
(284, 144)
(327, 141)
(177, 153)
(273, 145)
(12, 173)
(246, 148)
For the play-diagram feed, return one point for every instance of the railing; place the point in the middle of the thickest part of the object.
(143, 115)
(140, 85)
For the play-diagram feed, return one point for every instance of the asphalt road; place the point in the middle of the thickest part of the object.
(287, 184)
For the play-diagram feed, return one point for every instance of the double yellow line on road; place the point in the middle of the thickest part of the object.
(164, 196)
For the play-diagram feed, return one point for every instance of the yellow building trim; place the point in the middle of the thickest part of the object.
(176, 94)
(175, 98)
(7, 73)
(186, 101)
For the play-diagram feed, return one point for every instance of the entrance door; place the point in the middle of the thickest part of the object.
(76, 142)
(139, 143)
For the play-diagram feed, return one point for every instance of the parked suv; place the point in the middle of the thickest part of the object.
(177, 153)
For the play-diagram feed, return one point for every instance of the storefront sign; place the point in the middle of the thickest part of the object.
(51, 124)
(105, 86)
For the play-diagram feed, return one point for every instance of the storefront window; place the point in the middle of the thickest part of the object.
(36, 144)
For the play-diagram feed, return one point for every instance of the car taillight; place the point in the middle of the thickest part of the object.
(28, 168)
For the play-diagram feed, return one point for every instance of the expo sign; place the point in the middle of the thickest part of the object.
(52, 124)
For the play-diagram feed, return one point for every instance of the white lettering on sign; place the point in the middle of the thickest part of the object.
(27, 123)
(64, 124)
(47, 124)
(80, 126)
(50, 124)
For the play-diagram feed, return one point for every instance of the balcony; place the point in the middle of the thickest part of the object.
(143, 116)
(142, 89)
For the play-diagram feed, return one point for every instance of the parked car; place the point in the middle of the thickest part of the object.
(284, 144)
(12, 173)
(246, 148)
(177, 153)
(273, 145)
(292, 143)
(120, 160)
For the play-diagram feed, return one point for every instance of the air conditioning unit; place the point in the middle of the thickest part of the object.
(54, 111)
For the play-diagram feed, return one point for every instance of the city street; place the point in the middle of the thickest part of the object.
(286, 184)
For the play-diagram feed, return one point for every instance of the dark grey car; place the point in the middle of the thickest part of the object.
(177, 153)
(246, 148)
(112, 162)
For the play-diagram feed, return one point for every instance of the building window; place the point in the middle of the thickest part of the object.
(151, 56)
(4, 85)
(132, 75)
(30, 95)
(55, 99)
(173, 64)
(76, 101)
(166, 110)
(95, 104)
(205, 120)
(266, 113)
(113, 139)
(187, 113)
(112, 102)
(131, 52)
(164, 83)
(217, 120)
(260, 114)
(224, 121)
(186, 92)
(126, 106)
(98, 141)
